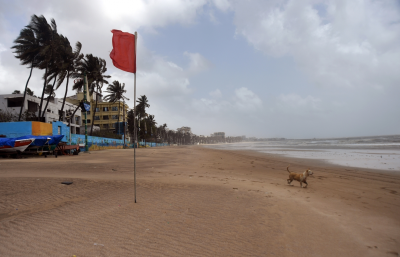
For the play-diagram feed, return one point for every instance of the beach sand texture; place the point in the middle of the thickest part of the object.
(194, 201)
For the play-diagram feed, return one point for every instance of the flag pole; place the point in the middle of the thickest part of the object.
(134, 121)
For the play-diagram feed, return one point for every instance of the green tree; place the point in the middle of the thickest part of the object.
(143, 103)
(152, 126)
(56, 66)
(30, 92)
(26, 49)
(46, 35)
(71, 58)
(94, 68)
(116, 92)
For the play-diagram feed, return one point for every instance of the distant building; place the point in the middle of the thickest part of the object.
(219, 134)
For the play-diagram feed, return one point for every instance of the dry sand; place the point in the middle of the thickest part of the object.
(194, 201)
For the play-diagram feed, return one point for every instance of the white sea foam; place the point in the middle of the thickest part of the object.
(381, 153)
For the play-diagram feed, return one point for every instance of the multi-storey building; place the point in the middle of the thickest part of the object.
(106, 115)
(14, 102)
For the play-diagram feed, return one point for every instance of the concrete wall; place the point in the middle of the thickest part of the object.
(16, 129)
(41, 129)
(59, 128)
(24, 128)
(97, 143)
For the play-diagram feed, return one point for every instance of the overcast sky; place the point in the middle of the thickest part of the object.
(264, 68)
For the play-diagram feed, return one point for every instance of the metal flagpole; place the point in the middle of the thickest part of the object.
(134, 121)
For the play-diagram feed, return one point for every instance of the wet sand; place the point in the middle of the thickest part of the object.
(194, 201)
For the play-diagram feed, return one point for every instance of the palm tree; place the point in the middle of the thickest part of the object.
(143, 103)
(27, 48)
(116, 93)
(46, 35)
(70, 60)
(131, 121)
(94, 68)
(49, 91)
(64, 63)
(152, 124)
(162, 129)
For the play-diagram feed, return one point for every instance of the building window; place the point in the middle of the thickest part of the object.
(33, 107)
(105, 109)
(96, 117)
(105, 117)
(114, 108)
(15, 102)
(88, 121)
(88, 112)
(114, 117)
(105, 126)
(97, 109)
(113, 125)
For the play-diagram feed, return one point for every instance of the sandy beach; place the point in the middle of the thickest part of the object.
(195, 201)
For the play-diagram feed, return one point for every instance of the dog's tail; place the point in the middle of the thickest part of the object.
(288, 169)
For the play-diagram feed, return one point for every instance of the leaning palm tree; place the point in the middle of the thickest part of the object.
(71, 59)
(94, 68)
(116, 92)
(66, 66)
(46, 35)
(54, 69)
(27, 48)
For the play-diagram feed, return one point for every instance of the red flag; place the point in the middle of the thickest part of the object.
(123, 54)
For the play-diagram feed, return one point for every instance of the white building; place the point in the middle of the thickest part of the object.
(12, 103)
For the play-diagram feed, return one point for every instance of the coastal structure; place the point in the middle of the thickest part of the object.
(12, 103)
(106, 116)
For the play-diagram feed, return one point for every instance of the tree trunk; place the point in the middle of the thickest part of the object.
(44, 88)
(65, 96)
(94, 113)
(51, 92)
(26, 86)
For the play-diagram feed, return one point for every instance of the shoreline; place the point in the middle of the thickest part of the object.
(195, 201)
(376, 158)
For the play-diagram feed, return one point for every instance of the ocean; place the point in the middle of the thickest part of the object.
(375, 152)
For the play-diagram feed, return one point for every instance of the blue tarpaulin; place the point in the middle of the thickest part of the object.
(42, 140)
(7, 142)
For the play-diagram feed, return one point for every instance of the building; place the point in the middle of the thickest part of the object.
(219, 135)
(12, 103)
(106, 116)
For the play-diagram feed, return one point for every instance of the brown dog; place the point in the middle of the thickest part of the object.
(299, 177)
